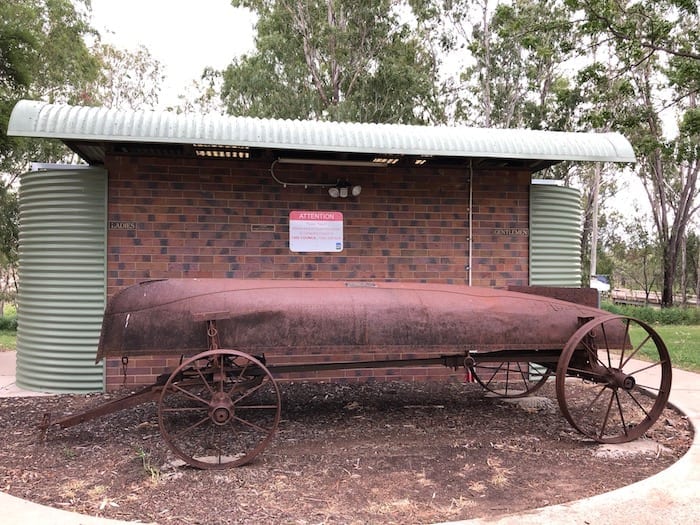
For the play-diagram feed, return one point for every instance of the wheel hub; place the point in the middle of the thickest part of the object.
(618, 379)
(221, 408)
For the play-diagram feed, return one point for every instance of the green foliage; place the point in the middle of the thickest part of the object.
(514, 73)
(666, 316)
(8, 323)
(43, 55)
(636, 254)
(8, 328)
(8, 340)
(147, 462)
(340, 61)
(9, 228)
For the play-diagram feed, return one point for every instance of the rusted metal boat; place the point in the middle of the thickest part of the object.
(221, 406)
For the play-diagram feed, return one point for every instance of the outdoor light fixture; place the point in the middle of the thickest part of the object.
(339, 189)
(344, 190)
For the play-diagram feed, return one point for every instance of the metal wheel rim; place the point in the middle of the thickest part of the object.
(611, 412)
(216, 418)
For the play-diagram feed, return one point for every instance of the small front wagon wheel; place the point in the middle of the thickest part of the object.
(510, 379)
(219, 409)
(613, 379)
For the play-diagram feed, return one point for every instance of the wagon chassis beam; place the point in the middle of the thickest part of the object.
(455, 361)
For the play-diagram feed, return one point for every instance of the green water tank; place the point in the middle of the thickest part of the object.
(555, 235)
(62, 278)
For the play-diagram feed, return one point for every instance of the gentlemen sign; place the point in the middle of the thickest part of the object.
(509, 232)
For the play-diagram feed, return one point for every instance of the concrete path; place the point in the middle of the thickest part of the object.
(672, 496)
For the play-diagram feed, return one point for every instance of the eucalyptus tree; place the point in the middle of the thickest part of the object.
(334, 60)
(512, 60)
(655, 58)
(43, 55)
(127, 79)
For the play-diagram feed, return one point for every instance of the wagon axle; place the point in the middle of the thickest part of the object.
(617, 379)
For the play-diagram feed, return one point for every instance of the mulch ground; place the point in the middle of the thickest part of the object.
(372, 453)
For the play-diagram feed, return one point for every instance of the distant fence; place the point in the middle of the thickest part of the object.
(639, 297)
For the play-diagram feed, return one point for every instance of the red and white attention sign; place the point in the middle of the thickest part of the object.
(315, 231)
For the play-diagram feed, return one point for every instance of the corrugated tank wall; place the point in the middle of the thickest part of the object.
(62, 267)
(555, 235)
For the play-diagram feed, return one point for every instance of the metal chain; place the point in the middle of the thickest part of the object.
(125, 362)
(213, 335)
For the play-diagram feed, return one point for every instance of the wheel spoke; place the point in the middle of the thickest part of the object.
(250, 424)
(189, 394)
(222, 375)
(622, 414)
(496, 371)
(636, 402)
(636, 350)
(648, 367)
(244, 369)
(595, 399)
(182, 410)
(625, 338)
(247, 393)
(607, 415)
(204, 380)
(191, 427)
(607, 346)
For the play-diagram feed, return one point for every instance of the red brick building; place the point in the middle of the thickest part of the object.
(210, 196)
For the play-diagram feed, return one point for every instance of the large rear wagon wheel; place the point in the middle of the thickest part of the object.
(613, 379)
(219, 409)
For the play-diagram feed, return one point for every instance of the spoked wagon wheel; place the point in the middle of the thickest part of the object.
(510, 379)
(219, 409)
(613, 379)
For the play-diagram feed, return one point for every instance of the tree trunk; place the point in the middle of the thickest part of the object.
(697, 284)
(684, 271)
(670, 256)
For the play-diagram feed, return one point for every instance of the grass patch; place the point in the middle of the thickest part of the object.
(682, 341)
(8, 328)
(8, 340)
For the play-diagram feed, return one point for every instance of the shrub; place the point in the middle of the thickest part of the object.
(8, 322)
(648, 314)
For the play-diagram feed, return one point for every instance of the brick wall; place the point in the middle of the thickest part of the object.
(195, 218)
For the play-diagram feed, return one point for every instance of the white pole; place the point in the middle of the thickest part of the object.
(594, 220)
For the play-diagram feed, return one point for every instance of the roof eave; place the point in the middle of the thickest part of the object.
(76, 124)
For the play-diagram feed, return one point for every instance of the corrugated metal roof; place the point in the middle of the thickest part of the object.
(76, 123)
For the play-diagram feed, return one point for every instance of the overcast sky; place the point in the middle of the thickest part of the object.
(185, 36)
